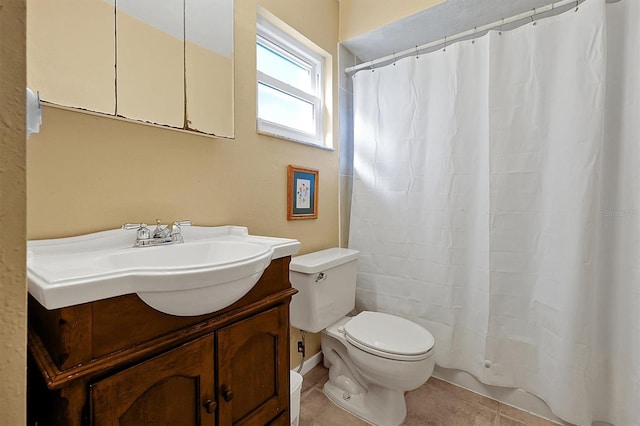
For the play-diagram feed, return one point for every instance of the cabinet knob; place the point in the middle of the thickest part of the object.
(210, 406)
(227, 394)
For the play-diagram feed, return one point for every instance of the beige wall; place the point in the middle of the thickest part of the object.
(12, 213)
(361, 16)
(88, 173)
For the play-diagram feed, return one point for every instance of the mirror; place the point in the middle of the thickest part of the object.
(71, 53)
(150, 61)
(209, 66)
(173, 60)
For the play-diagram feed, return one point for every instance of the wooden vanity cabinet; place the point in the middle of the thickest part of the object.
(230, 367)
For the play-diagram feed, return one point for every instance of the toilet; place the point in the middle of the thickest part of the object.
(373, 357)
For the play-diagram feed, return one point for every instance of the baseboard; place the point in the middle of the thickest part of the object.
(309, 363)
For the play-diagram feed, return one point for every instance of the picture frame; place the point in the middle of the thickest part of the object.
(302, 193)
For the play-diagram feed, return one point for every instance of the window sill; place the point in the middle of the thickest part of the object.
(284, 138)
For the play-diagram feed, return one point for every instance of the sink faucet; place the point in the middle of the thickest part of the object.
(162, 235)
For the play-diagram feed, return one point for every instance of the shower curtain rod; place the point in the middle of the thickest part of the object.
(443, 41)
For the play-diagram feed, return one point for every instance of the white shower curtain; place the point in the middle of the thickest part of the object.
(496, 201)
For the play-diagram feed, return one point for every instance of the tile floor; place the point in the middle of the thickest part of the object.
(436, 403)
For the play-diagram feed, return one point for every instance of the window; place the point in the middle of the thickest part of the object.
(290, 86)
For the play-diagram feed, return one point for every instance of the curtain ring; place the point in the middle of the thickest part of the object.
(500, 29)
(444, 49)
(474, 35)
(533, 17)
(394, 59)
(417, 56)
(577, 1)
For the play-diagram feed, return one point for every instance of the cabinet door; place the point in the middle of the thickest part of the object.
(253, 368)
(150, 61)
(208, 66)
(175, 388)
(71, 53)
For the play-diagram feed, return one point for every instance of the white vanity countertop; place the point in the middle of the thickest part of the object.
(68, 271)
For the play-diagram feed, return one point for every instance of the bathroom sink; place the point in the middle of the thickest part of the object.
(213, 268)
(179, 256)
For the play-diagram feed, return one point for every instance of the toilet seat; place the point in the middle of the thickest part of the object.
(389, 336)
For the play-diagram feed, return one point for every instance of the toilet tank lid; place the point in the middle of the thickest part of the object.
(320, 261)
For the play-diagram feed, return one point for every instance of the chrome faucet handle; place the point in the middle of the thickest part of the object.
(176, 232)
(180, 223)
(143, 232)
(134, 225)
(175, 227)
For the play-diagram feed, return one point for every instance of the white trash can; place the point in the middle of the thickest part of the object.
(295, 380)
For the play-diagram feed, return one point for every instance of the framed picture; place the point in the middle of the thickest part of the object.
(302, 193)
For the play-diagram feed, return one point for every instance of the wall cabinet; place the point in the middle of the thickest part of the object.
(119, 362)
(168, 63)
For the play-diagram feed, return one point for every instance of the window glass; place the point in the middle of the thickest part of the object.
(279, 66)
(289, 86)
(279, 107)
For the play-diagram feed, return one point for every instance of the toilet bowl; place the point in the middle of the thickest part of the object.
(373, 357)
(369, 381)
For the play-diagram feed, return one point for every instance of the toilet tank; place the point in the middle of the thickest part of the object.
(326, 284)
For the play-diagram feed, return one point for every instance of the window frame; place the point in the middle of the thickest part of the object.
(273, 38)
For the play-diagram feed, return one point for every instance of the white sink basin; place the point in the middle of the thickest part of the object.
(213, 268)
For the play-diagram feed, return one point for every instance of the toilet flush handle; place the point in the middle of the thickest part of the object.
(321, 277)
